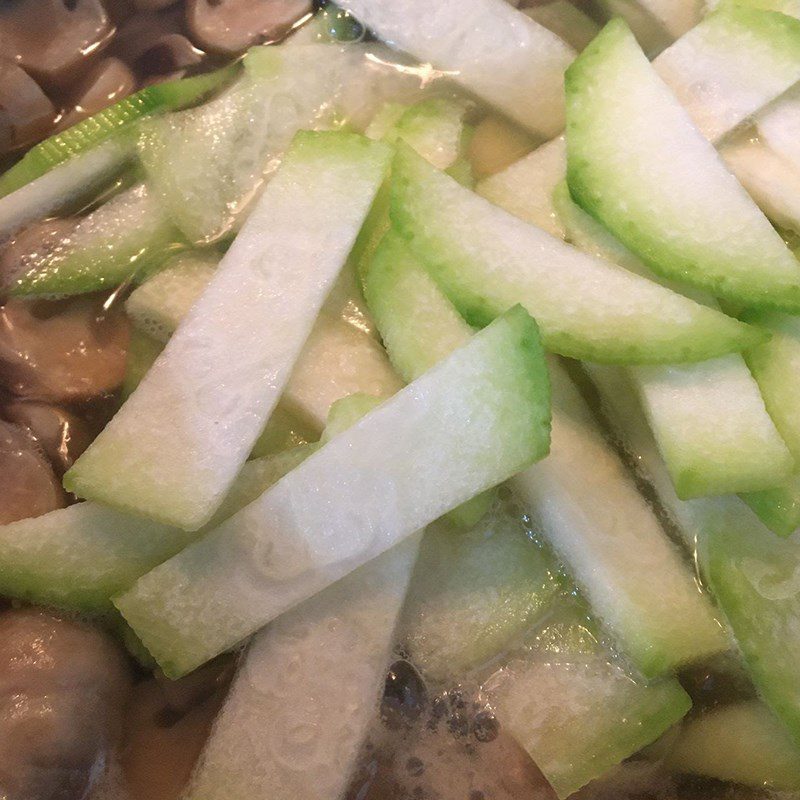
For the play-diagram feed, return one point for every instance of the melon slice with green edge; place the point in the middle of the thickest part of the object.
(486, 46)
(666, 194)
(698, 386)
(307, 691)
(419, 327)
(742, 743)
(466, 425)
(126, 236)
(573, 706)
(65, 187)
(109, 123)
(637, 582)
(486, 260)
(79, 557)
(176, 445)
(730, 65)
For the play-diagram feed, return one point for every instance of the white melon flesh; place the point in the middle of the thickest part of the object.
(487, 46)
(591, 512)
(525, 188)
(709, 418)
(306, 692)
(337, 360)
(732, 64)
(176, 445)
(465, 426)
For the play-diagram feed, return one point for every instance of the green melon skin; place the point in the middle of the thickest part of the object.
(636, 162)
(486, 260)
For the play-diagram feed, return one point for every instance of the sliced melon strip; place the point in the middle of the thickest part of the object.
(176, 445)
(486, 260)
(307, 691)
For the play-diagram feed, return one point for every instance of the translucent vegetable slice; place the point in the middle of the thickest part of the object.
(566, 21)
(731, 65)
(127, 235)
(176, 445)
(79, 557)
(743, 743)
(486, 260)
(307, 691)
(108, 123)
(240, 136)
(665, 193)
(464, 426)
(778, 508)
(487, 46)
(591, 512)
(575, 708)
(474, 593)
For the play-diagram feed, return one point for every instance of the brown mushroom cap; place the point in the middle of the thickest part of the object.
(26, 112)
(107, 82)
(62, 350)
(143, 30)
(28, 485)
(231, 26)
(62, 435)
(63, 685)
(153, 5)
(51, 38)
(170, 56)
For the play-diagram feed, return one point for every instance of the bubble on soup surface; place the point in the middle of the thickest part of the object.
(63, 684)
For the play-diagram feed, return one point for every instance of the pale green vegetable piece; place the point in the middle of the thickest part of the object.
(525, 188)
(176, 445)
(776, 366)
(731, 65)
(666, 194)
(466, 425)
(487, 46)
(486, 260)
(743, 743)
(474, 593)
(610, 539)
(307, 691)
(79, 557)
(124, 237)
(418, 324)
(649, 32)
(704, 449)
(574, 707)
